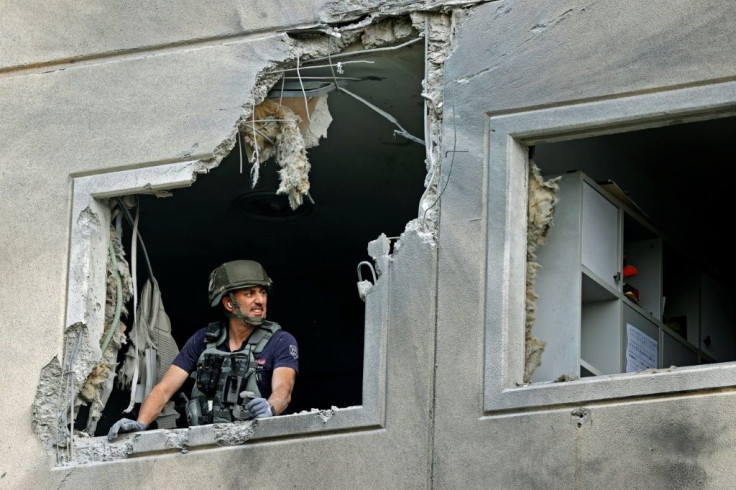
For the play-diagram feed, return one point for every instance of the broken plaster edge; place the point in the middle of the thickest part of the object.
(330, 14)
(317, 421)
(91, 217)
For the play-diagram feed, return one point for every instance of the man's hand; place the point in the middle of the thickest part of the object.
(124, 425)
(260, 408)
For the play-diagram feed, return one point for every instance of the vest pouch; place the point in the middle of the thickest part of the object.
(235, 381)
(208, 373)
(231, 390)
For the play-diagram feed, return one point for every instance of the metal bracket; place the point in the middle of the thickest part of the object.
(370, 266)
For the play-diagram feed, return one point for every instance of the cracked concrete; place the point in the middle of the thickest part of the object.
(84, 385)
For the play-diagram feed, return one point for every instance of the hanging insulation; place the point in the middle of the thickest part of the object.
(542, 201)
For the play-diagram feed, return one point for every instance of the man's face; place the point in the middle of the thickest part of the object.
(252, 301)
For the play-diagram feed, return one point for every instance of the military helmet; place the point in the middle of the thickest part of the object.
(236, 274)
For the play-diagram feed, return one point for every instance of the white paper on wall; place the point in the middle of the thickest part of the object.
(641, 350)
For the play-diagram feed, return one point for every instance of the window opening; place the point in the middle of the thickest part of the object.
(364, 181)
(660, 183)
(654, 287)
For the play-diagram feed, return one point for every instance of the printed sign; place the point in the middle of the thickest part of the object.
(641, 350)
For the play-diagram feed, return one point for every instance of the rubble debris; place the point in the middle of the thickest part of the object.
(541, 204)
(233, 434)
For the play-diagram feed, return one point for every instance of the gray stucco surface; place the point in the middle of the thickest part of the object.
(511, 56)
(39, 32)
(181, 100)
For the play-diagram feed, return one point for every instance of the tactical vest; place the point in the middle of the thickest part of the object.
(221, 376)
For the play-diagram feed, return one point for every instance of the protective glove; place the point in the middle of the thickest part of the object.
(124, 425)
(260, 408)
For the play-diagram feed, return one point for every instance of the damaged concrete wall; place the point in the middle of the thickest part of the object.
(163, 85)
(171, 83)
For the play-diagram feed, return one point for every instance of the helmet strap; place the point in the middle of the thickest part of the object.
(256, 321)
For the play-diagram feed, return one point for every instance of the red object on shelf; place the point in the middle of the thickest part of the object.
(630, 270)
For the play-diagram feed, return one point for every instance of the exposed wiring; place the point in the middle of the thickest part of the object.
(240, 150)
(317, 66)
(257, 160)
(364, 51)
(304, 92)
(283, 83)
(401, 131)
(61, 414)
(129, 218)
(72, 394)
(452, 160)
(136, 341)
(355, 79)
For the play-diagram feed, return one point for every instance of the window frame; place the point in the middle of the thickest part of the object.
(509, 134)
(86, 291)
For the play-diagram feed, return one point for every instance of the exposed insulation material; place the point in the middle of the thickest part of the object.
(274, 131)
(99, 383)
(542, 201)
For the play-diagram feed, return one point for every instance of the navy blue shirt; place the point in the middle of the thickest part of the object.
(281, 351)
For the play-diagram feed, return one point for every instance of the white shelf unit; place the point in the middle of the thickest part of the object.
(582, 312)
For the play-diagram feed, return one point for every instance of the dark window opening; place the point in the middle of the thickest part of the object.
(364, 181)
(671, 187)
